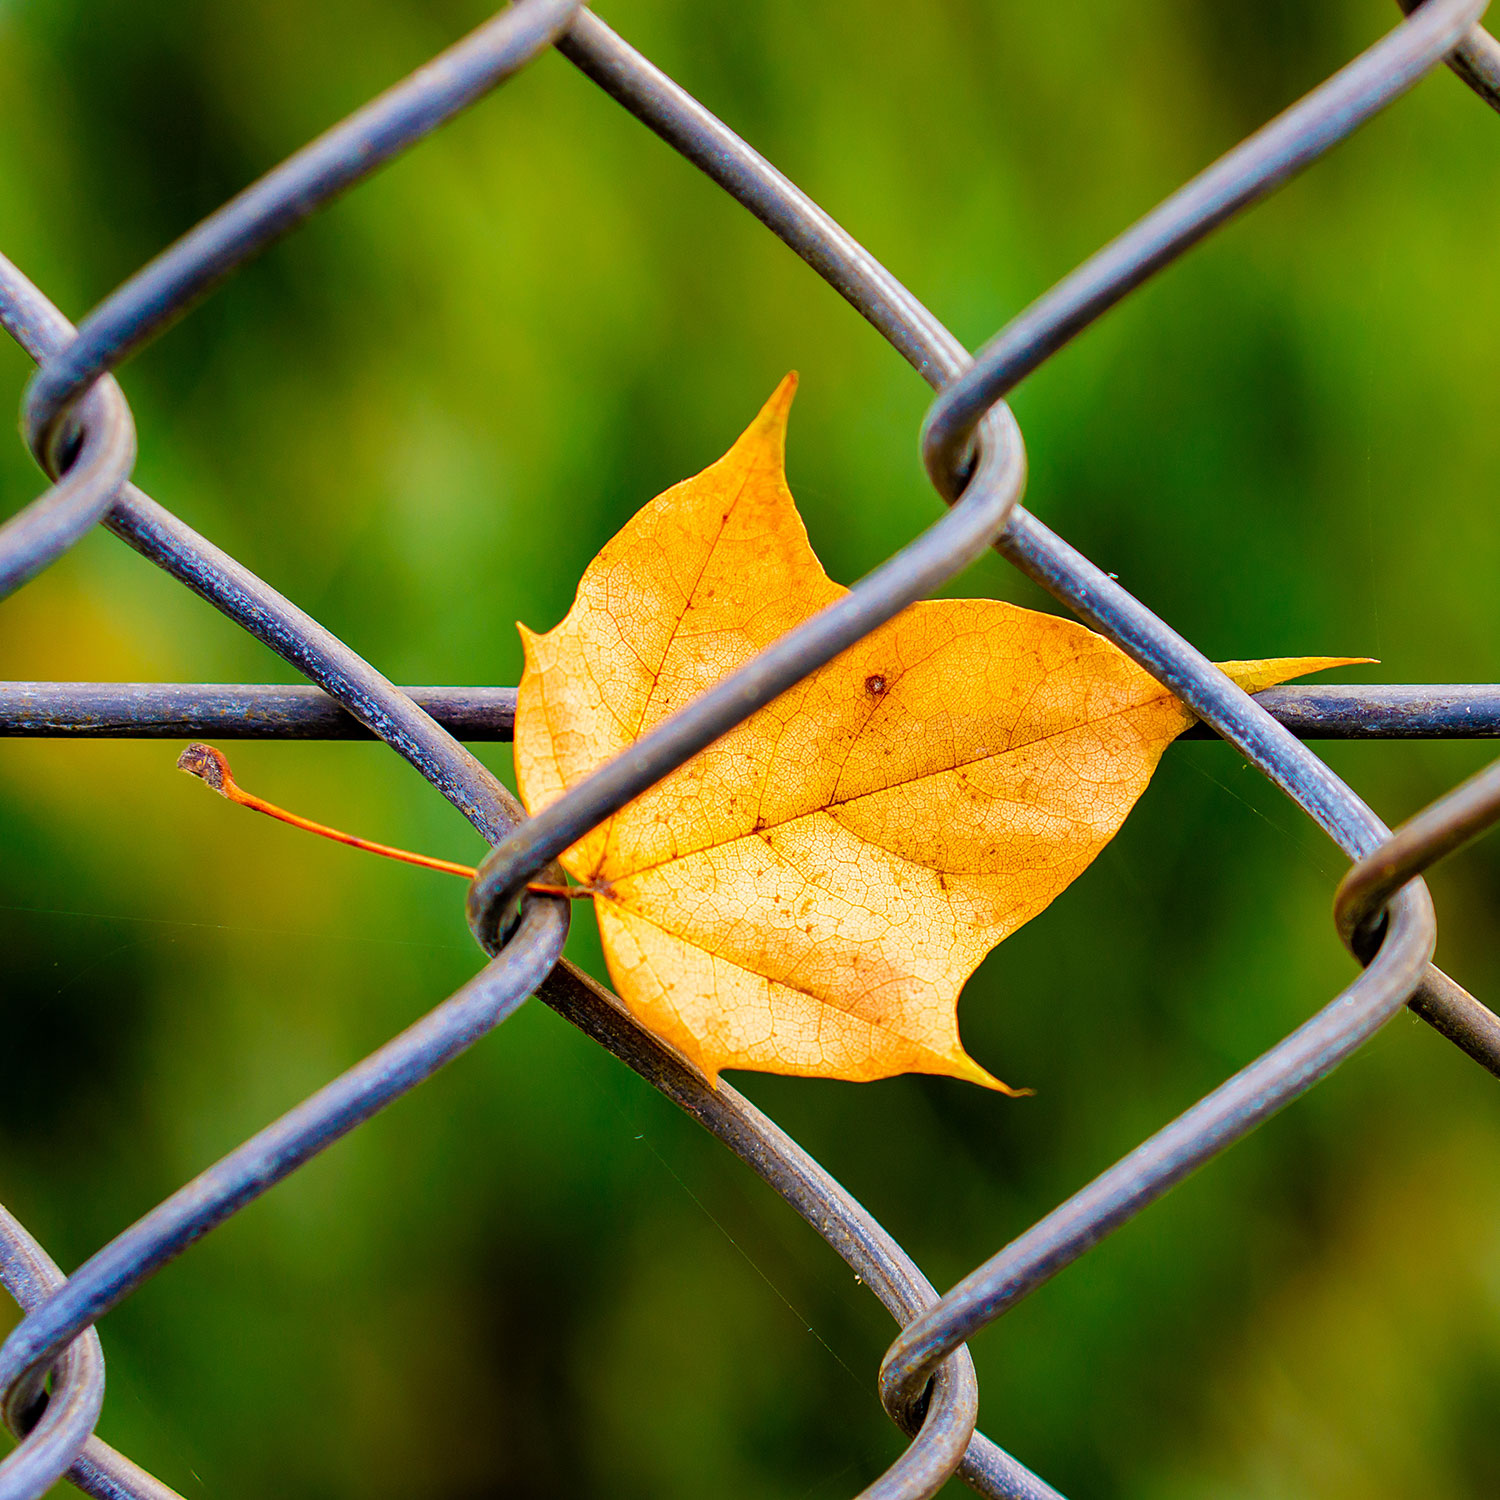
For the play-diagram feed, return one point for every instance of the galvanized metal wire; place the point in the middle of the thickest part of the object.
(79, 427)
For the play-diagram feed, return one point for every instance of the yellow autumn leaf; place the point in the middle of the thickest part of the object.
(809, 894)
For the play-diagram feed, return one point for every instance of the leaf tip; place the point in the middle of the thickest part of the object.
(1324, 663)
(1256, 676)
(961, 1065)
(529, 639)
(764, 440)
(772, 417)
(996, 1085)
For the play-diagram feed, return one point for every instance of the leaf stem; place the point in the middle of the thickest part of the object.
(211, 766)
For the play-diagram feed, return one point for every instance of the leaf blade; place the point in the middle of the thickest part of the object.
(809, 894)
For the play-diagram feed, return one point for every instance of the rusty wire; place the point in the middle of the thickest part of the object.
(79, 427)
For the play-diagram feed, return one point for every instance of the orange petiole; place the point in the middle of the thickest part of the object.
(211, 766)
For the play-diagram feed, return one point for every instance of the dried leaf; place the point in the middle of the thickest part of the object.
(809, 894)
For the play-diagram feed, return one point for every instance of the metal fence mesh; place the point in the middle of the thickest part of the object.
(80, 429)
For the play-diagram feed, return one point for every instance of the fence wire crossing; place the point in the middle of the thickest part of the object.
(79, 427)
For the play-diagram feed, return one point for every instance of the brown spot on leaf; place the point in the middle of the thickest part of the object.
(875, 685)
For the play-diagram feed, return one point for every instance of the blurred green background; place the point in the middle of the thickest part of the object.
(420, 417)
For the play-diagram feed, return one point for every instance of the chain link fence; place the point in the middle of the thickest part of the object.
(80, 429)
